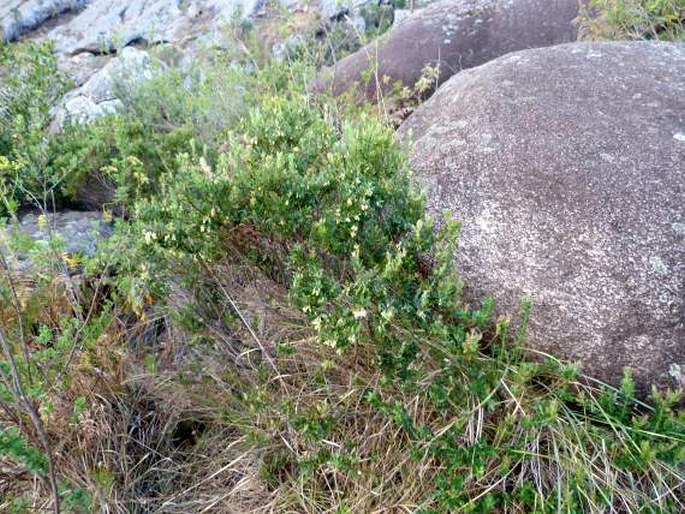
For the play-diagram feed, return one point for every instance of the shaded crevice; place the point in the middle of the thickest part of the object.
(109, 50)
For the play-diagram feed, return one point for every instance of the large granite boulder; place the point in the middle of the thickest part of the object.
(566, 166)
(454, 34)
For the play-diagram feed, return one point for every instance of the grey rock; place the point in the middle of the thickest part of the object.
(129, 69)
(562, 167)
(288, 48)
(88, 33)
(79, 229)
(80, 67)
(456, 35)
(77, 232)
(82, 109)
(279, 51)
(357, 24)
(110, 24)
(214, 39)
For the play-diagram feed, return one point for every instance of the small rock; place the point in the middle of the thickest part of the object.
(77, 231)
(358, 24)
(288, 49)
(675, 371)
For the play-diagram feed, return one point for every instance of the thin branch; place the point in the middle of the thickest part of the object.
(35, 417)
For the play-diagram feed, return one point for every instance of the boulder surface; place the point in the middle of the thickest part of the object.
(454, 35)
(566, 167)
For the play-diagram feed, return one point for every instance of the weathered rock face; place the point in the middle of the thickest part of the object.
(97, 25)
(95, 38)
(18, 17)
(456, 34)
(566, 166)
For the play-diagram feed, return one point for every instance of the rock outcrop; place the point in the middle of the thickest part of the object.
(454, 34)
(95, 39)
(566, 166)
(87, 34)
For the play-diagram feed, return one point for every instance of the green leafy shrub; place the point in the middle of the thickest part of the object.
(159, 119)
(633, 19)
(42, 329)
(328, 210)
(15, 446)
(128, 151)
(114, 158)
(293, 179)
(378, 18)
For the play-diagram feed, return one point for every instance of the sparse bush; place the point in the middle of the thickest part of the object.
(377, 17)
(158, 120)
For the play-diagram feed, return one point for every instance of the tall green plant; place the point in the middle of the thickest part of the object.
(31, 85)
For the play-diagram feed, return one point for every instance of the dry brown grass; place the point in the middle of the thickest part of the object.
(222, 419)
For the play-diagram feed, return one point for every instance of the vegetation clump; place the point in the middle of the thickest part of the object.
(277, 325)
